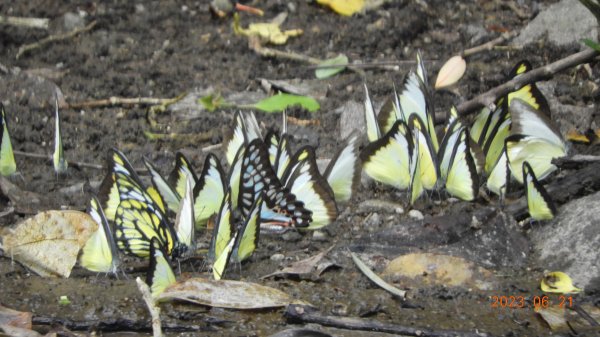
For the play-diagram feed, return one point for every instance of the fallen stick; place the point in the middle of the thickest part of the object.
(49, 158)
(488, 45)
(120, 101)
(152, 307)
(120, 324)
(53, 38)
(305, 314)
(24, 22)
(488, 98)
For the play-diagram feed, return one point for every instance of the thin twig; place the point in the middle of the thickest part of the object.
(489, 45)
(120, 101)
(488, 98)
(305, 314)
(53, 38)
(211, 147)
(24, 22)
(302, 122)
(152, 307)
(49, 157)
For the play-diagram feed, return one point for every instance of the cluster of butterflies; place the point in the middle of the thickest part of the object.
(517, 139)
(266, 186)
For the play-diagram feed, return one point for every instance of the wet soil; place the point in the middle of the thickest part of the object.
(166, 48)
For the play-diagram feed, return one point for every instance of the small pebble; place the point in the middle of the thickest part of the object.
(291, 236)
(319, 236)
(415, 214)
(339, 310)
(277, 257)
(373, 220)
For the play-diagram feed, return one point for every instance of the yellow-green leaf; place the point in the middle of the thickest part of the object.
(328, 69)
(280, 102)
(344, 7)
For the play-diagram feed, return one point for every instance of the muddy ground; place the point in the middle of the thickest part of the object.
(166, 48)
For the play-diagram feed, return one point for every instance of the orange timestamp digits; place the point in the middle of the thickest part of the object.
(518, 302)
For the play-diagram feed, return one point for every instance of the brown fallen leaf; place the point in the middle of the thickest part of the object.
(555, 317)
(49, 242)
(14, 331)
(226, 294)
(19, 319)
(307, 267)
(24, 202)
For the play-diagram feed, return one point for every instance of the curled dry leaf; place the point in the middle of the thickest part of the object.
(226, 294)
(558, 282)
(266, 32)
(307, 267)
(451, 72)
(49, 242)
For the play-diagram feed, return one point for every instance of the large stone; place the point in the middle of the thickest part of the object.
(565, 22)
(571, 242)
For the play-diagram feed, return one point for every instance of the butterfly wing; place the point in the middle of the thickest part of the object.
(168, 194)
(248, 234)
(160, 275)
(185, 222)
(373, 132)
(223, 230)
(462, 180)
(343, 171)
(387, 160)
(100, 252)
(209, 190)
(178, 176)
(8, 166)
(537, 151)
(541, 206)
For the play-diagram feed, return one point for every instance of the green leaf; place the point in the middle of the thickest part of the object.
(280, 102)
(592, 44)
(327, 71)
(211, 102)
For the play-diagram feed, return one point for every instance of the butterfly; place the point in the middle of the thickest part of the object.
(100, 253)
(457, 166)
(8, 166)
(539, 202)
(138, 214)
(159, 275)
(427, 166)
(245, 129)
(534, 139)
(185, 221)
(58, 158)
(257, 176)
(304, 180)
(498, 179)
(248, 233)
(387, 159)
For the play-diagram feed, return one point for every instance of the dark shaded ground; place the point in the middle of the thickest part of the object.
(163, 49)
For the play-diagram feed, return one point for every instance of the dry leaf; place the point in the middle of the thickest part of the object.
(49, 242)
(344, 7)
(19, 319)
(451, 72)
(266, 32)
(305, 267)
(421, 269)
(13, 331)
(555, 317)
(226, 294)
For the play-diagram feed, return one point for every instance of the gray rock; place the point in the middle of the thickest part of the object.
(566, 116)
(571, 242)
(565, 22)
(73, 21)
(277, 257)
(378, 205)
(352, 117)
(319, 236)
(415, 214)
(373, 220)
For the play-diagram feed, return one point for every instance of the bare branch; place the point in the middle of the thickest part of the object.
(53, 38)
(542, 73)
(16, 21)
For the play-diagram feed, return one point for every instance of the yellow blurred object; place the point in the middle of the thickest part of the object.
(558, 282)
(266, 32)
(344, 7)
